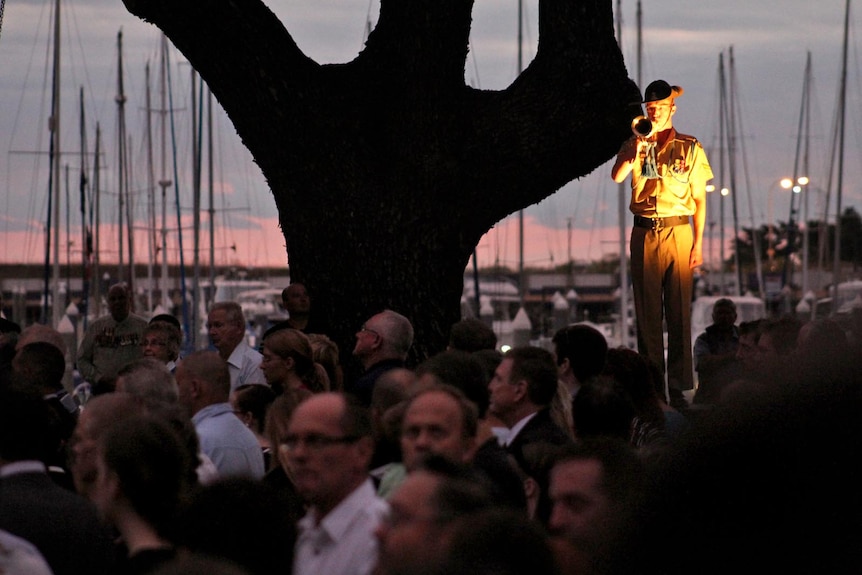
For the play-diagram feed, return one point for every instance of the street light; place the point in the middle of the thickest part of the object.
(721, 246)
(787, 276)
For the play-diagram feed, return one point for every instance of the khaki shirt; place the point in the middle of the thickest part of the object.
(681, 164)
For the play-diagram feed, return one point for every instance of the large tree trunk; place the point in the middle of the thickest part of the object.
(387, 170)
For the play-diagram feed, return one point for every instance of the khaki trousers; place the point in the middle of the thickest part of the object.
(662, 287)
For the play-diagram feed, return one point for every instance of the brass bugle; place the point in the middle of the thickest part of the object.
(641, 127)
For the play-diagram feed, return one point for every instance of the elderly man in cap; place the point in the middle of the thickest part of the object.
(669, 175)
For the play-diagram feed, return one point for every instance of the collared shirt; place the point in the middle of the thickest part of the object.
(343, 542)
(23, 466)
(516, 429)
(681, 162)
(230, 445)
(244, 366)
(108, 345)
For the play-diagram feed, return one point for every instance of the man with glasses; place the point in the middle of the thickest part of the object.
(382, 343)
(669, 175)
(329, 447)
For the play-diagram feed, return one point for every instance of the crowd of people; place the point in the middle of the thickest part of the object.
(568, 460)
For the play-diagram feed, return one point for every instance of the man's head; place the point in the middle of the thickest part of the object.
(500, 541)
(202, 379)
(295, 300)
(142, 467)
(421, 509)
(161, 341)
(778, 337)
(119, 301)
(101, 412)
(386, 335)
(25, 422)
(149, 379)
(329, 448)
(458, 369)
(41, 366)
(724, 313)
(659, 99)
(580, 352)
(523, 383)
(603, 407)
(438, 420)
(749, 333)
(594, 486)
(39, 332)
(471, 335)
(226, 326)
(391, 389)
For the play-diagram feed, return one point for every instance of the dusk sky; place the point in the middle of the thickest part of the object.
(681, 44)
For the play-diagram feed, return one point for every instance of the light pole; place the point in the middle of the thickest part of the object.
(709, 189)
(787, 274)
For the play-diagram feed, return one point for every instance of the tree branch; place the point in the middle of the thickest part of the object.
(237, 43)
(422, 43)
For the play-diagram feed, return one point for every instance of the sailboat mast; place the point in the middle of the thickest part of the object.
(836, 265)
(722, 131)
(182, 263)
(120, 99)
(522, 280)
(806, 171)
(151, 191)
(197, 144)
(95, 220)
(212, 198)
(622, 194)
(164, 182)
(55, 167)
(640, 44)
(85, 230)
(792, 218)
(621, 214)
(732, 166)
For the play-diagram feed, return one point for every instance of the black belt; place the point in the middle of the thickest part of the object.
(657, 224)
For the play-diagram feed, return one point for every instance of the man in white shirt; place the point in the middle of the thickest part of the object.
(226, 328)
(329, 448)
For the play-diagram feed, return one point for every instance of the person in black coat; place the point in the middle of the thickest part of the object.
(62, 525)
(522, 389)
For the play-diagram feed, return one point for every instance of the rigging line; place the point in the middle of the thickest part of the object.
(74, 32)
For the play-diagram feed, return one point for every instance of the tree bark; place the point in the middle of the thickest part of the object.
(387, 170)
